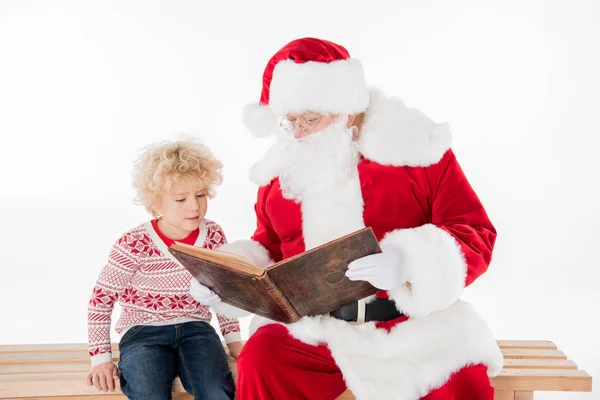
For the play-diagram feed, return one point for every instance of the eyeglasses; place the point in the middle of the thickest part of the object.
(290, 124)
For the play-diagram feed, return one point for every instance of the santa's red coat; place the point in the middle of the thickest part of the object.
(409, 188)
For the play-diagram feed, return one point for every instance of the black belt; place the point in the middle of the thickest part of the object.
(376, 310)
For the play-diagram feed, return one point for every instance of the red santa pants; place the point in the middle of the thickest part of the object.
(275, 366)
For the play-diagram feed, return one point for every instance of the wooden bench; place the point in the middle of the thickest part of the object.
(57, 371)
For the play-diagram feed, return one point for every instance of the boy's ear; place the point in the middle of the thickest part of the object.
(155, 208)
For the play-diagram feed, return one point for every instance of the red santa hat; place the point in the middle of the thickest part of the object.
(308, 75)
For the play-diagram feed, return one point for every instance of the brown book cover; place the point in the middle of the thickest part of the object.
(310, 283)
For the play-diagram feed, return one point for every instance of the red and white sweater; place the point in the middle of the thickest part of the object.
(151, 287)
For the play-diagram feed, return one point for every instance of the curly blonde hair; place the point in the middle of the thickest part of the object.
(160, 165)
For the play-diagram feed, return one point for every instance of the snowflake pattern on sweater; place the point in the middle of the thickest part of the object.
(151, 287)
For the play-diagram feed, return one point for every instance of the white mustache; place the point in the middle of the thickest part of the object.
(314, 163)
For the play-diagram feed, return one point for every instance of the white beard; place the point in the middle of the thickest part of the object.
(319, 171)
(317, 162)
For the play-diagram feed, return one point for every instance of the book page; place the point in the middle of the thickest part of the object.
(229, 260)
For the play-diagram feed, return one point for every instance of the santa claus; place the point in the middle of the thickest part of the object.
(347, 156)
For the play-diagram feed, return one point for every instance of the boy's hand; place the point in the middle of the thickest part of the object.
(103, 376)
(235, 348)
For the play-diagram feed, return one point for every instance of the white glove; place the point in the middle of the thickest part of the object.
(386, 270)
(202, 294)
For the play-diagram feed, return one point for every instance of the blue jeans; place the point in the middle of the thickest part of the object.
(152, 356)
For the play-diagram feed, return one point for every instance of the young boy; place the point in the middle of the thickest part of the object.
(164, 331)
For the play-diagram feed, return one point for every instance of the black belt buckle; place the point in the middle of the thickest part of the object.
(347, 312)
(376, 310)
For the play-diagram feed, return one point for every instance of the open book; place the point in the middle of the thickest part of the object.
(310, 283)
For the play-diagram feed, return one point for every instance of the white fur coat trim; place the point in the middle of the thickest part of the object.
(337, 87)
(250, 250)
(268, 167)
(416, 357)
(394, 134)
(336, 214)
(436, 267)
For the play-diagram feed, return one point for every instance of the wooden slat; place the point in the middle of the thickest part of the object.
(538, 363)
(54, 384)
(42, 356)
(176, 396)
(48, 376)
(504, 395)
(60, 347)
(543, 379)
(523, 395)
(55, 348)
(527, 344)
(533, 354)
(347, 395)
(79, 356)
(57, 384)
(45, 357)
(79, 397)
(31, 368)
(512, 395)
(9, 369)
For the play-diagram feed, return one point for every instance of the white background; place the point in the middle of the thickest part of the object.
(83, 85)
